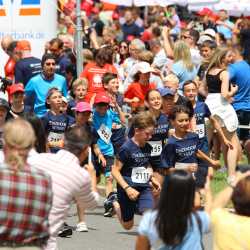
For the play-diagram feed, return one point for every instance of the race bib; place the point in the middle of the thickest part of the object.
(156, 147)
(141, 175)
(56, 139)
(200, 130)
(104, 133)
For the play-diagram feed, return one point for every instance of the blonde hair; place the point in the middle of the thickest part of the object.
(146, 56)
(182, 53)
(218, 56)
(171, 78)
(79, 82)
(19, 134)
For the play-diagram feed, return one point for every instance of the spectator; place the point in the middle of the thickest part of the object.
(39, 85)
(9, 68)
(28, 66)
(183, 66)
(174, 21)
(94, 71)
(62, 61)
(97, 23)
(174, 223)
(69, 181)
(239, 73)
(4, 109)
(191, 37)
(20, 183)
(231, 230)
(224, 25)
(17, 107)
(130, 28)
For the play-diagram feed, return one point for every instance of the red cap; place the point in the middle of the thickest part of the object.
(95, 10)
(205, 12)
(115, 15)
(102, 98)
(16, 88)
(23, 45)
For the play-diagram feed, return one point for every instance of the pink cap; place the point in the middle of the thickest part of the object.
(83, 107)
(16, 88)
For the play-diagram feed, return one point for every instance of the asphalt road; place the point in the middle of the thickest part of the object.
(104, 233)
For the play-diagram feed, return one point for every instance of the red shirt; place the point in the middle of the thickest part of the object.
(94, 73)
(9, 68)
(138, 90)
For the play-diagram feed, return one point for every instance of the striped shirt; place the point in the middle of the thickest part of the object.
(69, 182)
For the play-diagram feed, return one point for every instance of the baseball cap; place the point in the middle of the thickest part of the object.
(64, 99)
(205, 12)
(82, 107)
(4, 103)
(16, 88)
(207, 35)
(102, 98)
(166, 91)
(23, 45)
(143, 67)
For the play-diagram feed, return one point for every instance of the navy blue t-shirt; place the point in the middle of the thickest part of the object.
(201, 111)
(158, 140)
(136, 161)
(61, 63)
(55, 126)
(26, 68)
(180, 150)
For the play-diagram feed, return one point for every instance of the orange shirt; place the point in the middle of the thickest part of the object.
(138, 90)
(94, 75)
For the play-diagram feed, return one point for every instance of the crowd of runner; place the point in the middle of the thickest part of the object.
(159, 100)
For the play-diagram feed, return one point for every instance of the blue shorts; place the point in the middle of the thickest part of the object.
(105, 170)
(144, 202)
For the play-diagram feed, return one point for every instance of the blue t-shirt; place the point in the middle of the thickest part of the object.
(103, 127)
(225, 30)
(239, 73)
(201, 111)
(180, 150)
(183, 74)
(55, 126)
(133, 157)
(38, 87)
(191, 239)
(158, 139)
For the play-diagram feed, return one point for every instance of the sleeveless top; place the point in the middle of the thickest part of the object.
(214, 82)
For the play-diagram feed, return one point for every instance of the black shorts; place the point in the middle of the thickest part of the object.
(104, 170)
(244, 119)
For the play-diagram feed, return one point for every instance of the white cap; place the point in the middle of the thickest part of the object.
(143, 67)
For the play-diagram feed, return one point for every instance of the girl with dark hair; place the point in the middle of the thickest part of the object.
(94, 71)
(174, 224)
(183, 147)
(36, 123)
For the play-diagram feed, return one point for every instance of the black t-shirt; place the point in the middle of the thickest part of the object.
(26, 68)
(245, 43)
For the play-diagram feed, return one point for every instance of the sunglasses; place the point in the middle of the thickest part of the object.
(124, 46)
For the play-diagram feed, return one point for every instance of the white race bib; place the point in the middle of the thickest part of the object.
(141, 175)
(55, 137)
(200, 130)
(104, 133)
(156, 147)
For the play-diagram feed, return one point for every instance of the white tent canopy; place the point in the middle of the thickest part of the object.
(146, 2)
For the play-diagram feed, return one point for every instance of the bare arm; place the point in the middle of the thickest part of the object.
(142, 243)
(224, 76)
(167, 43)
(116, 172)
(204, 157)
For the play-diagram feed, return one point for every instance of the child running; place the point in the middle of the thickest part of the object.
(54, 121)
(133, 172)
(183, 148)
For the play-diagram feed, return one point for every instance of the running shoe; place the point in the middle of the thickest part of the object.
(65, 231)
(108, 204)
(81, 227)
